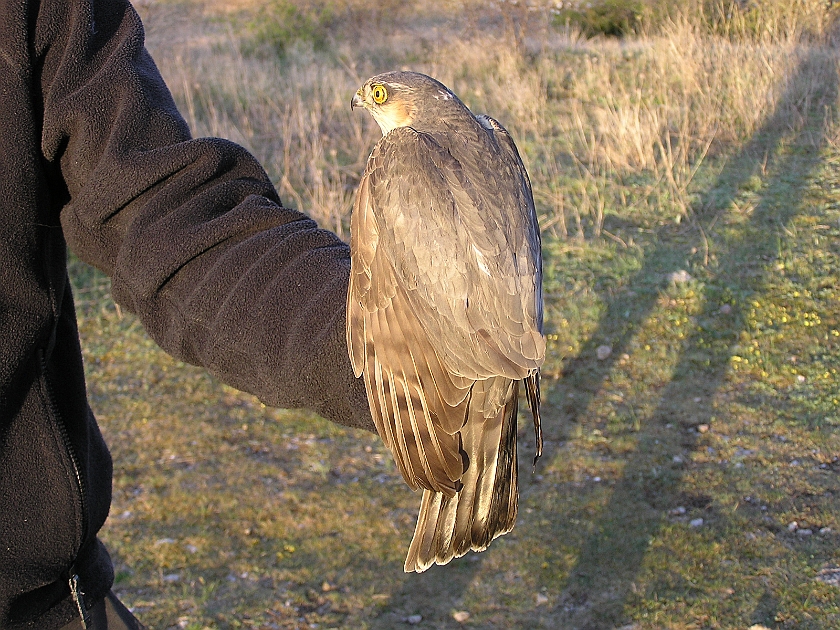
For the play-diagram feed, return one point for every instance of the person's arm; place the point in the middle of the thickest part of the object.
(191, 232)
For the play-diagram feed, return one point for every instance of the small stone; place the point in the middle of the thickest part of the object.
(800, 378)
(164, 541)
(702, 428)
(602, 352)
(413, 620)
(725, 309)
(172, 577)
(793, 526)
(678, 459)
(679, 277)
(541, 599)
(825, 530)
(191, 548)
(804, 531)
(596, 479)
(461, 616)
(677, 511)
(326, 587)
(696, 522)
(830, 575)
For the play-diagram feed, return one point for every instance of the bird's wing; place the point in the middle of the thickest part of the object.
(417, 405)
(527, 214)
(443, 292)
(457, 225)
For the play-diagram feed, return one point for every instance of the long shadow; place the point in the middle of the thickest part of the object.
(624, 316)
(620, 538)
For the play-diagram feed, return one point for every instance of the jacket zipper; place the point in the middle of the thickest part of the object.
(78, 597)
(73, 578)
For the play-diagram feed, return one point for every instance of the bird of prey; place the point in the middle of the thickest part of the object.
(444, 307)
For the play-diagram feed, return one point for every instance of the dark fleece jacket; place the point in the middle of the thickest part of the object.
(94, 155)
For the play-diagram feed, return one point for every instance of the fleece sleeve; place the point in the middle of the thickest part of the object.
(191, 231)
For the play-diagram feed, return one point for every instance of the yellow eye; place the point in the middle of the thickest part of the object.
(379, 94)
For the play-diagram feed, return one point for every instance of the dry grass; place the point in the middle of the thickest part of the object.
(584, 112)
(702, 145)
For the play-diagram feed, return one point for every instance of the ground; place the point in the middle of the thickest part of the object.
(691, 475)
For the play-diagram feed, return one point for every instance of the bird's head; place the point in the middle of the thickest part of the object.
(402, 99)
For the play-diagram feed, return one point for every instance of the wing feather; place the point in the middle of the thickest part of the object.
(427, 450)
(452, 248)
(444, 315)
(486, 506)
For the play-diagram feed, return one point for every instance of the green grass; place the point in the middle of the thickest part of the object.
(719, 400)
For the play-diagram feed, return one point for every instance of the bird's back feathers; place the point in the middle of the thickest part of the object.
(444, 316)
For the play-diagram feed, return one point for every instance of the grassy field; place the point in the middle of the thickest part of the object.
(688, 185)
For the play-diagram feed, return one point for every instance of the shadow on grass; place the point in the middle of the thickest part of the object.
(597, 590)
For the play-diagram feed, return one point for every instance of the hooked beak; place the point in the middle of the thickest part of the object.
(357, 101)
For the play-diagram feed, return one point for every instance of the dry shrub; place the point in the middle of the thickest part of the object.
(587, 114)
(660, 111)
(295, 118)
(493, 77)
(766, 20)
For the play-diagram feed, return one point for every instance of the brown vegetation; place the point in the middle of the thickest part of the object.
(687, 185)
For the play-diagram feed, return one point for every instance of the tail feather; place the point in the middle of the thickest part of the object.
(532, 387)
(486, 505)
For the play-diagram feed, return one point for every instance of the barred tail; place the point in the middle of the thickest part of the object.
(486, 506)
